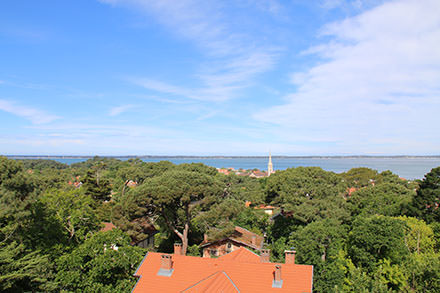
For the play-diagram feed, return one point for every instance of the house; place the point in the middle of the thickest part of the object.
(148, 231)
(131, 183)
(241, 237)
(258, 174)
(223, 171)
(267, 209)
(107, 226)
(351, 190)
(239, 271)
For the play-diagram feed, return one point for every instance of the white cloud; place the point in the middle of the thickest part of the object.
(232, 56)
(377, 86)
(34, 115)
(120, 109)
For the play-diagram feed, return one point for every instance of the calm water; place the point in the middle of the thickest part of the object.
(409, 168)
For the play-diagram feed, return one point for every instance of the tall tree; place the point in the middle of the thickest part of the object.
(376, 238)
(103, 263)
(176, 196)
(426, 203)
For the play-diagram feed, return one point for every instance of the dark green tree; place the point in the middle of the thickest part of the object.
(96, 187)
(318, 244)
(376, 238)
(426, 204)
(389, 199)
(177, 196)
(103, 263)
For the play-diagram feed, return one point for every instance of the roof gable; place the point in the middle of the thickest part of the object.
(217, 282)
(242, 255)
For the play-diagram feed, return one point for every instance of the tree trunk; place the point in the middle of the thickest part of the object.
(185, 232)
(183, 236)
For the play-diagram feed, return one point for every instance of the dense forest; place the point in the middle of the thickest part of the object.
(363, 231)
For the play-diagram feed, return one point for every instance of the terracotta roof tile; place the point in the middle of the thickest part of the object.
(206, 274)
(217, 282)
(107, 226)
(242, 255)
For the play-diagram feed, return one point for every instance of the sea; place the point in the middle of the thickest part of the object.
(406, 167)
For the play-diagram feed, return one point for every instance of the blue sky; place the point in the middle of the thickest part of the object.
(242, 77)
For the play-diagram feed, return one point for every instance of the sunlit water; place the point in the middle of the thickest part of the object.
(409, 168)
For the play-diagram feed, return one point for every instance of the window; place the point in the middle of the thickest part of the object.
(213, 252)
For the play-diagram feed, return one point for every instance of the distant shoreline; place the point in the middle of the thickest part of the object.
(218, 157)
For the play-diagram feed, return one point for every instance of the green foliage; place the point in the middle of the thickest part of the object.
(177, 196)
(253, 220)
(193, 250)
(360, 177)
(23, 270)
(103, 263)
(365, 243)
(96, 187)
(74, 212)
(376, 238)
(436, 230)
(389, 199)
(42, 164)
(423, 272)
(319, 244)
(309, 192)
(419, 237)
(426, 203)
(244, 188)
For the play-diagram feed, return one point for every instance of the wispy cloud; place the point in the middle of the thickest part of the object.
(115, 111)
(232, 56)
(36, 116)
(377, 82)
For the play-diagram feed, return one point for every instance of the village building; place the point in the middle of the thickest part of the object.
(148, 230)
(241, 237)
(238, 271)
(270, 166)
(268, 209)
(108, 226)
(145, 242)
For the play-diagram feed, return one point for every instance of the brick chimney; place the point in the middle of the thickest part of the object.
(166, 266)
(277, 280)
(290, 256)
(265, 255)
(166, 262)
(178, 248)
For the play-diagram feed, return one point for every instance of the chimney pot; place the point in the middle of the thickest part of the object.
(166, 262)
(277, 280)
(178, 248)
(265, 255)
(290, 256)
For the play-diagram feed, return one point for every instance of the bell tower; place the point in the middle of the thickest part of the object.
(269, 165)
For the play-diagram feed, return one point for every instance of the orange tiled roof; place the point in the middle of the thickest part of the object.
(217, 282)
(264, 207)
(242, 255)
(223, 274)
(107, 226)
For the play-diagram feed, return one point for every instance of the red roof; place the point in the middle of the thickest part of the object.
(238, 271)
(107, 226)
(243, 236)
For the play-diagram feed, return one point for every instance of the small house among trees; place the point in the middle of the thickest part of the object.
(240, 237)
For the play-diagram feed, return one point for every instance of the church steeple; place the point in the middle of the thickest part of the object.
(269, 165)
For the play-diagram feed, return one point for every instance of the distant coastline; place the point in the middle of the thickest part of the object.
(218, 157)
